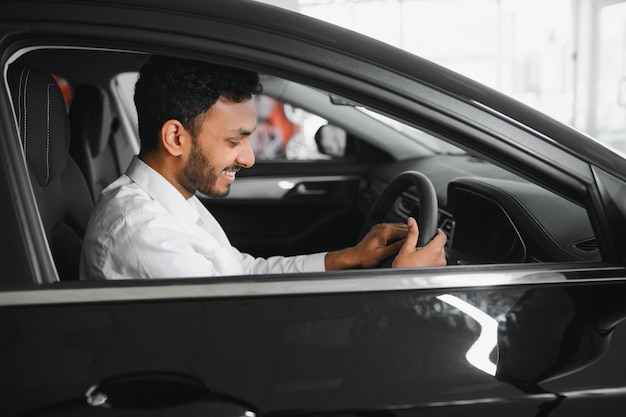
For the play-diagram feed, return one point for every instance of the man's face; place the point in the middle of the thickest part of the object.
(221, 148)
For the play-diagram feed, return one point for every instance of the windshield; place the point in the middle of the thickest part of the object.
(434, 144)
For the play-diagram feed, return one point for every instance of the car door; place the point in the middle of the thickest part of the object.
(351, 343)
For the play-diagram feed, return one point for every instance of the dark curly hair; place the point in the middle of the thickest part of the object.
(180, 89)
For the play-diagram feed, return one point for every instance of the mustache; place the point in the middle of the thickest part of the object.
(235, 168)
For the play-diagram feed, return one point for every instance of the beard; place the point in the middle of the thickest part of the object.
(201, 175)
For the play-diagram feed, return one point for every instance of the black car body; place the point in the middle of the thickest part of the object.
(525, 319)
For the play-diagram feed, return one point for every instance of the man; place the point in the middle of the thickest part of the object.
(195, 121)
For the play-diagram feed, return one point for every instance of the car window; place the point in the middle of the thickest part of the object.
(490, 212)
(286, 132)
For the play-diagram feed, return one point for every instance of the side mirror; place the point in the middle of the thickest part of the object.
(331, 140)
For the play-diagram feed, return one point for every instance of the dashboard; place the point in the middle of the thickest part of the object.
(495, 217)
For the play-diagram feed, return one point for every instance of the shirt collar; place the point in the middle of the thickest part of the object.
(161, 190)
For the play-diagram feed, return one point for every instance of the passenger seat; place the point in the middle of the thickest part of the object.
(93, 126)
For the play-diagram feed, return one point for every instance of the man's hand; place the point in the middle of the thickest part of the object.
(386, 240)
(381, 242)
(433, 254)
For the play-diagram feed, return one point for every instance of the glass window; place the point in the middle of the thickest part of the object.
(285, 132)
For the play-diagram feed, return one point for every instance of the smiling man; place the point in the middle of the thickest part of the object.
(195, 122)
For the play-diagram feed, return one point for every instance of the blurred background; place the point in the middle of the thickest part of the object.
(566, 58)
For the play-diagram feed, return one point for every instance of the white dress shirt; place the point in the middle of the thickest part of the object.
(143, 227)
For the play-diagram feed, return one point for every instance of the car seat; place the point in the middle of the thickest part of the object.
(92, 124)
(62, 195)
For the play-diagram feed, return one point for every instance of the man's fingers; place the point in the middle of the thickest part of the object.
(440, 238)
(395, 231)
(412, 235)
(394, 248)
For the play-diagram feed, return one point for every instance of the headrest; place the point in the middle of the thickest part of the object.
(42, 120)
(91, 117)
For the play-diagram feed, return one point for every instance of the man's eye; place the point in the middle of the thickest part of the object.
(234, 143)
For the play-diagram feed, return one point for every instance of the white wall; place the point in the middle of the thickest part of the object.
(566, 58)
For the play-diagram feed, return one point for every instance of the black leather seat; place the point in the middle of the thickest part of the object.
(93, 125)
(63, 198)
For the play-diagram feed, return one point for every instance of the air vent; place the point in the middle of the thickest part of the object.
(447, 226)
(588, 245)
(407, 205)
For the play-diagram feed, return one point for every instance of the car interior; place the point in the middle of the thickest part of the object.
(311, 192)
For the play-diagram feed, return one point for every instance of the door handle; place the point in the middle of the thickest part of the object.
(316, 189)
(304, 189)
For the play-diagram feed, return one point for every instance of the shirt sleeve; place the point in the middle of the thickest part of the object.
(283, 264)
(145, 245)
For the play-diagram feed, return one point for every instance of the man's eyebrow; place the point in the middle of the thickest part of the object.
(243, 132)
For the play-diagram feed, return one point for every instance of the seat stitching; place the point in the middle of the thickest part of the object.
(26, 110)
(48, 133)
(24, 96)
(20, 99)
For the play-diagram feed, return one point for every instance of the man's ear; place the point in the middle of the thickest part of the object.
(174, 137)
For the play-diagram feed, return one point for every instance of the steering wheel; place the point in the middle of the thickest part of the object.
(426, 214)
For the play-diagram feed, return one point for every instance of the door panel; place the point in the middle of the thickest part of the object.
(412, 352)
(283, 212)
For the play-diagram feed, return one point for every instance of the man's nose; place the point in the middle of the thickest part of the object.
(246, 156)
